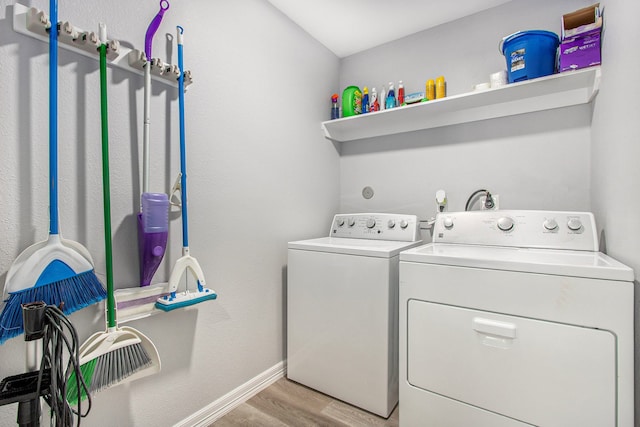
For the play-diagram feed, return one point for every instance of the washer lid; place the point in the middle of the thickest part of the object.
(363, 247)
(594, 265)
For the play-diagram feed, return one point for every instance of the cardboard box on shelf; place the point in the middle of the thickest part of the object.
(581, 38)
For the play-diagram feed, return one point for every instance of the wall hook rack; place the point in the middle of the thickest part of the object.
(35, 23)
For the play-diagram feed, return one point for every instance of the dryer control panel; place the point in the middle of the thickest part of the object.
(518, 228)
(376, 226)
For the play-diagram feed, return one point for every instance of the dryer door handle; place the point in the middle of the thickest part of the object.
(494, 327)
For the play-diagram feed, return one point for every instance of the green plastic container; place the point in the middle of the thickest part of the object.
(351, 101)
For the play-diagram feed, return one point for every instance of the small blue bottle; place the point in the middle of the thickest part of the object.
(335, 110)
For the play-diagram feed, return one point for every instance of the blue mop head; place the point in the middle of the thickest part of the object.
(185, 299)
(74, 293)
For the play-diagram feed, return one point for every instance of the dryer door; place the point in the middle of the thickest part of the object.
(538, 372)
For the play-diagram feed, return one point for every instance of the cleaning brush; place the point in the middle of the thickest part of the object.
(118, 354)
(56, 271)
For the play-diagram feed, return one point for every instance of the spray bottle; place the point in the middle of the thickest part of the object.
(391, 97)
(374, 105)
(400, 93)
(335, 110)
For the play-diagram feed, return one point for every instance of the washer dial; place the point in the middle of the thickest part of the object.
(505, 223)
(574, 224)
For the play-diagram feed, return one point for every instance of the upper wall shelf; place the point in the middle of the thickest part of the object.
(545, 93)
(34, 23)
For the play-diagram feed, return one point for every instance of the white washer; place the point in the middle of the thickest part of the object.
(342, 309)
(513, 318)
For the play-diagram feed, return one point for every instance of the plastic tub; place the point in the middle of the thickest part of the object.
(530, 54)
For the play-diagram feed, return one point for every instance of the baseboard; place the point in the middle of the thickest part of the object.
(234, 398)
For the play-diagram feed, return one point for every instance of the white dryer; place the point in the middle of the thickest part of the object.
(513, 318)
(342, 309)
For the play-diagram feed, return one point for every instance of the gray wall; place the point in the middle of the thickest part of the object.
(260, 174)
(534, 161)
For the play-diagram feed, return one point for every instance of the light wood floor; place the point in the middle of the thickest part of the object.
(286, 403)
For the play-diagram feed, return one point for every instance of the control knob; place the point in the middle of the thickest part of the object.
(391, 223)
(505, 223)
(403, 224)
(340, 221)
(351, 222)
(574, 224)
(550, 224)
(371, 223)
(447, 222)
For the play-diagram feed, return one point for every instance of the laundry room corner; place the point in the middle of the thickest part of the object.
(580, 158)
(260, 174)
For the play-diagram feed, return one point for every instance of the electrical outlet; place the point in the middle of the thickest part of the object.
(496, 202)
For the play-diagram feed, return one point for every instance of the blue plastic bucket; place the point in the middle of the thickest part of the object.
(530, 54)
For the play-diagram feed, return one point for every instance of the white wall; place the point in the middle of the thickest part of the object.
(616, 149)
(260, 174)
(535, 161)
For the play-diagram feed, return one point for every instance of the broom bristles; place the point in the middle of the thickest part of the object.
(74, 293)
(107, 370)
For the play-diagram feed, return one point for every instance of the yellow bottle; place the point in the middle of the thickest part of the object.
(430, 90)
(441, 87)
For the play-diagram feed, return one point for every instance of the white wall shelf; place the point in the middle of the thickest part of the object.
(545, 93)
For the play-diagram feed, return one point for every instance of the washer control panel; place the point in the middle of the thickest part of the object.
(527, 229)
(376, 226)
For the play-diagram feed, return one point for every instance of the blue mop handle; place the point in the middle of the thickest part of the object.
(53, 118)
(183, 150)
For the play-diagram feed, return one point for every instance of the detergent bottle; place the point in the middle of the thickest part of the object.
(365, 100)
(441, 87)
(400, 93)
(383, 99)
(351, 101)
(430, 90)
(391, 97)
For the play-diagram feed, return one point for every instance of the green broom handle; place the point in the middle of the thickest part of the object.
(106, 190)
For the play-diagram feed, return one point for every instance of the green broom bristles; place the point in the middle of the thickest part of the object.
(107, 370)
